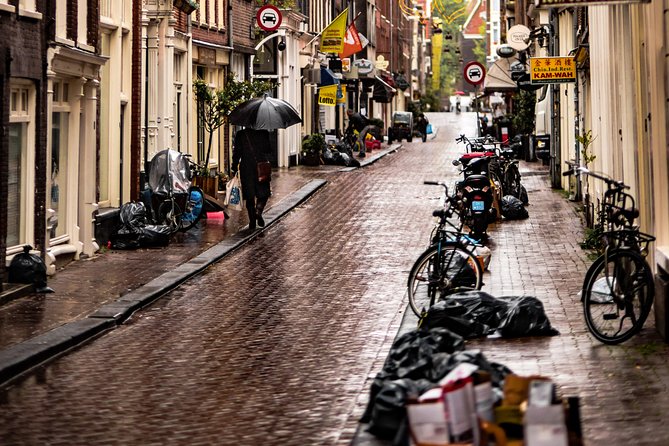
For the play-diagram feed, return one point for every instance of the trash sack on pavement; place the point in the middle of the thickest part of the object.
(525, 316)
(349, 161)
(513, 209)
(154, 236)
(474, 314)
(125, 239)
(388, 411)
(328, 156)
(133, 215)
(30, 269)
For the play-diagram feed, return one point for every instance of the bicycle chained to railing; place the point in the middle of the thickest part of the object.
(449, 265)
(176, 202)
(618, 289)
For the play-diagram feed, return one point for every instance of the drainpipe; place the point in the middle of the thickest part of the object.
(555, 159)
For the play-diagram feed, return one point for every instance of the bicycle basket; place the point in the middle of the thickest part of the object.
(169, 166)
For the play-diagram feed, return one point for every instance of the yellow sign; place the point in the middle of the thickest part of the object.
(552, 70)
(327, 95)
(341, 99)
(332, 37)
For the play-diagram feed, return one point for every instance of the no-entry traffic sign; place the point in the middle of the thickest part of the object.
(474, 73)
(269, 18)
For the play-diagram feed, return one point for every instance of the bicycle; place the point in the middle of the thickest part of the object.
(449, 265)
(618, 289)
(177, 203)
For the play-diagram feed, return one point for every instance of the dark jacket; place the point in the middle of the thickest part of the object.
(357, 121)
(249, 147)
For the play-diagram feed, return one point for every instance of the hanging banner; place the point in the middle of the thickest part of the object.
(332, 37)
(352, 43)
(552, 70)
(327, 95)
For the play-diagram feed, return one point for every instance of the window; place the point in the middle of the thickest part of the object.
(57, 193)
(21, 139)
(28, 5)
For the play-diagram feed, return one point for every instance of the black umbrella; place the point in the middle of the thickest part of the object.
(265, 113)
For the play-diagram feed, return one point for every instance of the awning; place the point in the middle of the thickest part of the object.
(498, 76)
(383, 90)
(328, 77)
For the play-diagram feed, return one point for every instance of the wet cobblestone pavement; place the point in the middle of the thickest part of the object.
(277, 343)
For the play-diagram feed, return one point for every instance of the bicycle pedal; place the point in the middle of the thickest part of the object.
(610, 316)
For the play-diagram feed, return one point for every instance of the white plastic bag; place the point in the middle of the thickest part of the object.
(233, 194)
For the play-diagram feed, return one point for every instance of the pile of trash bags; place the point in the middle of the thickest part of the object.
(29, 268)
(135, 230)
(339, 155)
(474, 314)
(418, 360)
(513, 208)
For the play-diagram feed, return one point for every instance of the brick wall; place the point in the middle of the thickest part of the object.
(244, 13)
(23, 54)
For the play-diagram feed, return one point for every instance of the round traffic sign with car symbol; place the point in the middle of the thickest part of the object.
(474, 73)
(269, 18)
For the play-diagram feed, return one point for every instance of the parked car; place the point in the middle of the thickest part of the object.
(401, 127)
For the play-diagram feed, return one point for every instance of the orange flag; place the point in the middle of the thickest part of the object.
(352, 42)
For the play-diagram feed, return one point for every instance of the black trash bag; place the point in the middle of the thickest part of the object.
(513, 209)
(349, 161)
(411, 354)
(497, 372)
(125, 239)
(154, 236)
(525, 316)
(411, 357)
(133, 215)
(328, 156)
(29, 268)
(455, 316)
(388, 408)
(460, 272)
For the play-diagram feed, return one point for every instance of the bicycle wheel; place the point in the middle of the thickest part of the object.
(512, 181)
(617, 296)
(168, 213)
(194, 208)
(439, 272)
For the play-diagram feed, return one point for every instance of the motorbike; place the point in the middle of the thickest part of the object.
(475, 194)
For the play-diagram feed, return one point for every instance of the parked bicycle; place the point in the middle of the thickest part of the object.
(618, 289)
(174, 200)
(448, 266)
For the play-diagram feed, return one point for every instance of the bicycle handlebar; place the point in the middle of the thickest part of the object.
(575, 170)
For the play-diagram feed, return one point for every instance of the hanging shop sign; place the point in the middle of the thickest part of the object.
(327, 95)
(365, 66)
(561, 3)
(518, 37)
(552, 70)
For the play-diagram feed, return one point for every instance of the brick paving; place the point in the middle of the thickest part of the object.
(278, 343)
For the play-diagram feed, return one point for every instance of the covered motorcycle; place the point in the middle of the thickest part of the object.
(169, 173)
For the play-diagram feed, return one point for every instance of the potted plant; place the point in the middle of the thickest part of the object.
(312, 149)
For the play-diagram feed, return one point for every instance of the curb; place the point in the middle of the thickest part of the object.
(20, 358)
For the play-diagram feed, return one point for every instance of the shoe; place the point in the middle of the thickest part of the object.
(261, 221)
(252, 226)
(362, 155)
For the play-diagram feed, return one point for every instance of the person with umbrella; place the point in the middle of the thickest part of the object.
(251, 146)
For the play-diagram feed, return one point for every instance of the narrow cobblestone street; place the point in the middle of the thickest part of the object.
(277, 343)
